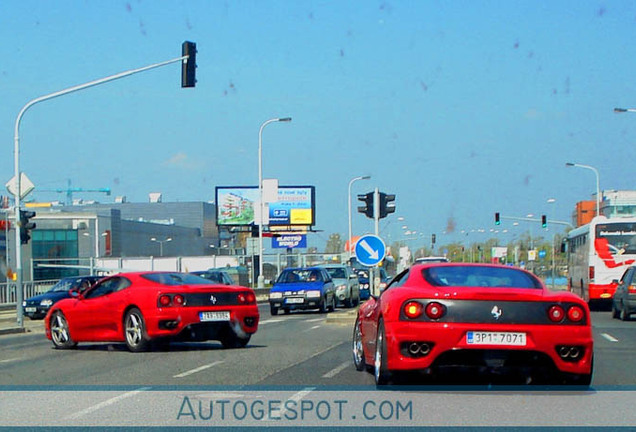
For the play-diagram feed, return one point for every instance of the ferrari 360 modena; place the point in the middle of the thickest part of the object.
(469, 319)
(144, 307)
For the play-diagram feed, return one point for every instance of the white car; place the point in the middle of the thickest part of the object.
(346, 283)
(431, 259)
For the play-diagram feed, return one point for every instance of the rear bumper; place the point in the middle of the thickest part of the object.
(602, 291)
(444, 338)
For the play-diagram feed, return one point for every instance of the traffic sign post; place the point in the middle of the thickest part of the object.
(370, 250)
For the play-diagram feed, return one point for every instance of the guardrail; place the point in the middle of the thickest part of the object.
(8, 291)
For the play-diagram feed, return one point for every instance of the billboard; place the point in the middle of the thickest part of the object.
(295, 206)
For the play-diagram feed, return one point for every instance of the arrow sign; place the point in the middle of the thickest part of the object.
(370, 250)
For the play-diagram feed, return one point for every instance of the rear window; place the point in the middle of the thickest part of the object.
(473, 276)
(299, 275)
(173, 279)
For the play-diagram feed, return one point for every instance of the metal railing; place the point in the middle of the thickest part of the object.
(8, 293)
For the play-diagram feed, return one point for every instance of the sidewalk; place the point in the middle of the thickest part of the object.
(9, 322)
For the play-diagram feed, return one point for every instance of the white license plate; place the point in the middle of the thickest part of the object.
(29, 309)
(294, 300)
(214, 316)
(496, 338)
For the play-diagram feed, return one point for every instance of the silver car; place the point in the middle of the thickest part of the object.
(346, 283)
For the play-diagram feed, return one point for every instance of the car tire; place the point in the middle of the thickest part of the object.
(582, 380)
(348, 303)
(380, 370)
(615, 312)
(60, 334)
(624, 315)
(286, 311)
(273, 310)
(231, 340)
(358, 348)
(323, 306)
(135, 331)
(333, 304)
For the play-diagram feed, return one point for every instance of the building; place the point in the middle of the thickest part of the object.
(613, 204)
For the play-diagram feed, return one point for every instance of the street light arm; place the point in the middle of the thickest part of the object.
(598, 183)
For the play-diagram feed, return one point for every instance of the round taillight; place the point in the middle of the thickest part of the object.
(556, 313)
(178, 300)
(434, 310)
(164, 300)
(413, 309)
(251, 298)
(241, 298)
(575, 314)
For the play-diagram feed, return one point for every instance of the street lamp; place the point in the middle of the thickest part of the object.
(622, 110)
(598, 187)
(366, 177)
(261, 278)
(161, 242)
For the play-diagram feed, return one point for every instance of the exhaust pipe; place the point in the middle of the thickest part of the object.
(414, 348)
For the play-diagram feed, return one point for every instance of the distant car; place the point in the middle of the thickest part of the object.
(142, 307)
(477, 318)
(302, 288)
(624, 300)
(431, 259)
(216, 276)
(36, 307)
(363, 279)
(346, 282)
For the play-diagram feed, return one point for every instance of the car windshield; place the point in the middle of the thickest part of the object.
(475, 276)
(337, 272)
(70, 283)
(176, 279)
(299, 275)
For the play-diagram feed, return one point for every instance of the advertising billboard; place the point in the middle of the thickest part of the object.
(236, 206)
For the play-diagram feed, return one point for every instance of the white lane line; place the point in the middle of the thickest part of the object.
(609, 337)
(335, 371)
(199, 369)
(104, 404)
(315, 319)
(10, 360)
(295, 398)
(312, 328)
(271, 321)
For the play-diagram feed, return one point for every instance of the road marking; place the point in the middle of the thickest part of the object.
(10, 360)
(609, 337)
(271, 321)
(335, 371)
(199, 369)
(104, 404)
(312, 328)
(315, 319)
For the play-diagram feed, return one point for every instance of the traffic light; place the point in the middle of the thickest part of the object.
(26, 226)
(544, 221)
(189, 65)
(387, 204)
(432, 238)
(367, 209)
(497, 219)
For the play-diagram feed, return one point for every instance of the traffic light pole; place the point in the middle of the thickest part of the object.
(16, 139)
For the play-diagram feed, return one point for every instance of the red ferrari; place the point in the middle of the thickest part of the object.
(139, 308)
(476, 318)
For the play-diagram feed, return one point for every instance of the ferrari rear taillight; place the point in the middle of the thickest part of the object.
(246, 298)
(575, 314)
(413, 309)
(435, 310)
(165, 300)
(178, 300)
(556, 313)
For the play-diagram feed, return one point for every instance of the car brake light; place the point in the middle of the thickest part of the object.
(434, 310)
(575, 314)
(413, 309)
(251, 298)
(556, 313)
(178, 300)
(631, 289)
(165, 300)
(591, 272)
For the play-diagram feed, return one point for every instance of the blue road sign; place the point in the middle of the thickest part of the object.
(370, 250)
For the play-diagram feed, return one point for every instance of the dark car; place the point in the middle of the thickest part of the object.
(37, 306)
(216, 276)
(624, 300)
(363, 279)
(303, 288)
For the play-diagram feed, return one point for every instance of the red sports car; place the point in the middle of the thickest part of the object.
(481, 318)
(138, 308)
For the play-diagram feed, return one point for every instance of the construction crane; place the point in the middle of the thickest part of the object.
(70, 190)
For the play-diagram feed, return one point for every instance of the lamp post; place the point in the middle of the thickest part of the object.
(161, 242)
(552, 201)
(366, 177)
(261, 278)
(622, 110)
(598, 187)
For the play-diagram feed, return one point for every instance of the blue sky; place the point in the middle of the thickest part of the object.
(459, 108)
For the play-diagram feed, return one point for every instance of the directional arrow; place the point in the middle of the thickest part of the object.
(374, 254)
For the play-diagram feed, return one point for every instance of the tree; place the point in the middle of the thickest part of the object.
(334, 244)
